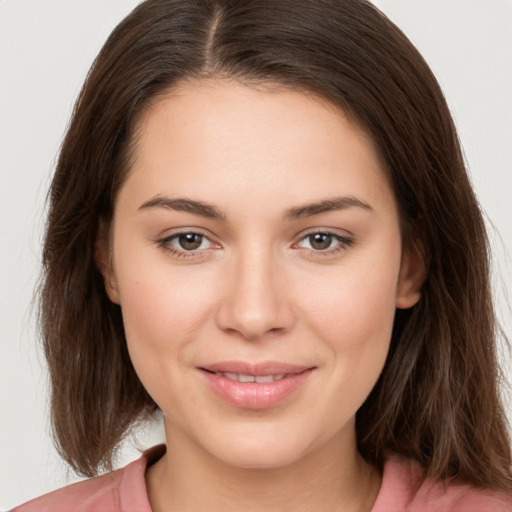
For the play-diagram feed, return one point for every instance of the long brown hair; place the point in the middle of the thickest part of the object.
(437, 400)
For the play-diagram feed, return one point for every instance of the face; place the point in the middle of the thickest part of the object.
(257, 258)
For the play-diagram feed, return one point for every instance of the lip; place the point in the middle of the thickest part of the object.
(255, 395)
(257, 369)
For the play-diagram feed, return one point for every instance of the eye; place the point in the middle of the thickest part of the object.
(320, 241)
(324, 241)
(190, 241)
(187, 244)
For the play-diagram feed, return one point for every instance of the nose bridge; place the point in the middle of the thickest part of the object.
(256, 300)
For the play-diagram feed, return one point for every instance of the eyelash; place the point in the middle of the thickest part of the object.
(344, 243)
(164, 243)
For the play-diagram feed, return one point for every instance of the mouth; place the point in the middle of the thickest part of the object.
(255, 386)
(260, 379)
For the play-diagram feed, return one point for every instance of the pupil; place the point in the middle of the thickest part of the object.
(320, 241)
(190, 241)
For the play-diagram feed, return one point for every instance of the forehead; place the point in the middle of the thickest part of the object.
(224, 136)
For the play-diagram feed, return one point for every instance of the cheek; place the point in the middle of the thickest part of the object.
(163, 311)
(354, 318)
(158, 299)
(354, 306)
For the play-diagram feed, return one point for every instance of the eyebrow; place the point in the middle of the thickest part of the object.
(184, 205)
(208, 210)
(327, 205)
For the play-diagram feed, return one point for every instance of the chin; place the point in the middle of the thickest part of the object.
(261, 448)
(257, 457)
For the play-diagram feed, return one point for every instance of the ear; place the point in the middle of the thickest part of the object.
(413, 271)
(103, 260)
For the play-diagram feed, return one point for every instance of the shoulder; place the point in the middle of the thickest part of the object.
(404, 489)
(123, 490)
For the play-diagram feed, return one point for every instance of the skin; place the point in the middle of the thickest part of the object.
(257, 289)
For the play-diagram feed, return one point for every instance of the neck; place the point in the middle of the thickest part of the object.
(333, 478)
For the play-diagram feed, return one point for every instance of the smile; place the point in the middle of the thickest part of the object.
(259, 386)
(260, 379)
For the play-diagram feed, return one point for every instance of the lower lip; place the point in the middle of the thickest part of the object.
(255, 395)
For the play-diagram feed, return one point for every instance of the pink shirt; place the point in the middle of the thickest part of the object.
(403, 490)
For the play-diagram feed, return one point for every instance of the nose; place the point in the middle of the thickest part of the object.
(256, 299)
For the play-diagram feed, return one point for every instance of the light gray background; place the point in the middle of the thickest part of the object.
(46, 48)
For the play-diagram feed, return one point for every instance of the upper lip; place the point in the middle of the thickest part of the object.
(256, 369)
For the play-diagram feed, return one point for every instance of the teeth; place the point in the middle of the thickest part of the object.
(264, 378)
(261, 379)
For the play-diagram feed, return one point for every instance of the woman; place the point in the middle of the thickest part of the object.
(261, 225)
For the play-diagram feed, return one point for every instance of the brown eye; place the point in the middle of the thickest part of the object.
(188, 244)
(190, 241)
(324, 243)
(320, 241)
